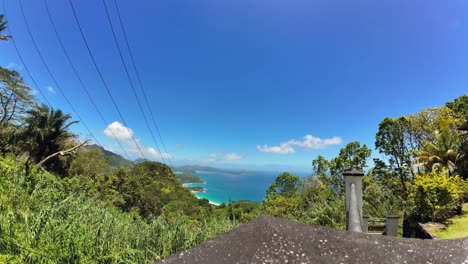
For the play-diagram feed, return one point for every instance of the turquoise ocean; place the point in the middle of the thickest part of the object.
(223, 187)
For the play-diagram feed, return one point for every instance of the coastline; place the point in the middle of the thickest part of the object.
(187, 185)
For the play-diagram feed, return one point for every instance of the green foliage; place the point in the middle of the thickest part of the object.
(426, 144)
(151, 188)
(459, 105)
(321, 168)
(280, 206)
(395, 141)
(81, 165)
(3, 26)
(443, 152)
(315, 202)
(282, 197)
(462, 164)
(457, 226)
(47, 133)
(242, 211)
(15, 96)
(378, 201)
(353, 156)
(15, 99)
(319, 204)
(188, 176)
(98, 207)
(286, 185)
(436, 195)
(42, 222)
(112, 159)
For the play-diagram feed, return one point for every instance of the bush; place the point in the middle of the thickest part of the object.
(321, 206)
(42, 222)
(436, 196)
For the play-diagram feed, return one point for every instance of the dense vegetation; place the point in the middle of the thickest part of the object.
(64, 202)
(113, 159)
(187, 176)
(51, 220)
(423, 176)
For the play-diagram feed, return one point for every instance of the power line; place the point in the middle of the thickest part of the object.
(138, 78)
(50, 73)
(78, 76)
(102, 78)
(129, 78)
(24, 64)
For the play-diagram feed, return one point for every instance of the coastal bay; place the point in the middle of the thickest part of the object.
(224, 187)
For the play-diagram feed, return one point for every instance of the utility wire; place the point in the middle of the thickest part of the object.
(79, 78)
(102, 78)
(22, 61)
(139, 79)
(50, 73)
(129, 78)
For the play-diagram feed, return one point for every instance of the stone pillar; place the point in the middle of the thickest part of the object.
(353, 181)
(391, 225)
(365, 224)
(354, 219)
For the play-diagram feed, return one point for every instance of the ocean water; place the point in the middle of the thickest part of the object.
(222, 187)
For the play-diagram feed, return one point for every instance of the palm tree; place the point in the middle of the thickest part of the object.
(2, 28)
(442, 152)
(46, 131)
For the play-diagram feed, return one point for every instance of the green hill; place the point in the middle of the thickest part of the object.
(113, 159)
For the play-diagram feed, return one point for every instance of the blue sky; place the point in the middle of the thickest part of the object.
(248, 84)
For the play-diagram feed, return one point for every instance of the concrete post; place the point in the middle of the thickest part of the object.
(365, 224)
(353, 181)
(355, 219)
(391, 225)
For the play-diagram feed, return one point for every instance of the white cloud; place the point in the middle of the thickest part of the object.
(50, 89)
(284, 148)
(118, 131)
(14, 66)
(217, 157)
(211, 158)
(312, 143)
(309, 143)
(125, 135)
(156, 154)
(233, 156)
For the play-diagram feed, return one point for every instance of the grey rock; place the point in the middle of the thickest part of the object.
(274, 240)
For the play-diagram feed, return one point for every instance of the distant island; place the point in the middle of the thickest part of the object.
(188, 173)
(210, 169)
(187, 176)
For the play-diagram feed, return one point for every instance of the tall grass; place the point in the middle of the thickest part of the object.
(42, 223)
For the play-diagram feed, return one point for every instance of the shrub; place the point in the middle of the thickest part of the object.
(42, 222)
(436, 195)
